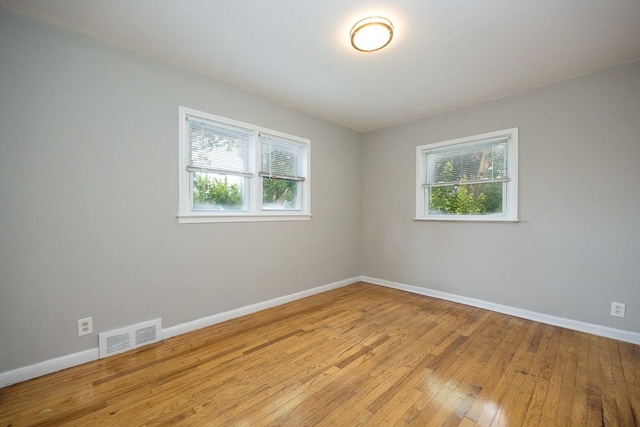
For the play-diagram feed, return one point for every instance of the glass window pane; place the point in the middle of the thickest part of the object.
(281, 157)
(470, 199)
(280, 194)
(211, 146)
(482, 162)
(216, 192)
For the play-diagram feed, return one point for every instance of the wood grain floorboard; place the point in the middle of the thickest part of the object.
(361, 355)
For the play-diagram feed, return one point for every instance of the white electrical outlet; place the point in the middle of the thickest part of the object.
(617, 309)
(85, 326)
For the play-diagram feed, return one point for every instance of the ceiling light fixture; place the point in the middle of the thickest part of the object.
(371, 34)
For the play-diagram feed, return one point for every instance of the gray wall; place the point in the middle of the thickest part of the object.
(89, 193)
(577, 247)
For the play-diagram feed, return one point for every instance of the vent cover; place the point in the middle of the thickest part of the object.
(121, 340)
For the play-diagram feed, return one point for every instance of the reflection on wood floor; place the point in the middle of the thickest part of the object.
(359, 355)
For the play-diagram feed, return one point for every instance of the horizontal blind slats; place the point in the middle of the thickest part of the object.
(218, 171)
(217, 148)
(478, 163)
(484, 181)
(282, 158)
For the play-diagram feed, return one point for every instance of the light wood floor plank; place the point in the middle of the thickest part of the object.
(542, 370)
(361, 355)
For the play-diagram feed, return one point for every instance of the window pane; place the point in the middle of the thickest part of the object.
(216, 148)
(216, 192)
(282, 158)
(479, 162)
(280, 194)
(469, 199)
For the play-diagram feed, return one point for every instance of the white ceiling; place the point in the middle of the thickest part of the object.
(445, 54)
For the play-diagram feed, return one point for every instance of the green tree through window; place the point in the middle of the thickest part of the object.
(216, 191)
(465, 199)
(279, 191)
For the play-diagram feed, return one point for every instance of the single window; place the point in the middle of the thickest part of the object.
(473, 178)
(233, 171)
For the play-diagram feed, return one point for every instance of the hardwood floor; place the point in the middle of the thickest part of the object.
(359, 355)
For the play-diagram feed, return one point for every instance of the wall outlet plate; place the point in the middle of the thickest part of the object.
(617, 309)
(85, 326)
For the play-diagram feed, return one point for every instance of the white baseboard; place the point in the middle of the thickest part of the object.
(68, 361)
(48, 367)
(590, 328)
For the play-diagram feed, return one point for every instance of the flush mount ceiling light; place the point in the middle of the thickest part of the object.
(371, 34)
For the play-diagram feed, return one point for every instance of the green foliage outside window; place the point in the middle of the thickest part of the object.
(216, 191)
(281, 160)
(279, 191)
(219, 192)
(464, 199)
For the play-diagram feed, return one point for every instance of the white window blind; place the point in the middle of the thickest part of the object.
(282, 158)
(483, 162)
(218, 148)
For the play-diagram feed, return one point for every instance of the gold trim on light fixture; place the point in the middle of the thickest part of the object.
(371, 34)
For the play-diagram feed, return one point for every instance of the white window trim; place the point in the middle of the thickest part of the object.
(511, 213)
(255, 212)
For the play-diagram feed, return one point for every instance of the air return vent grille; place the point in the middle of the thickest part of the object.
(121, 340)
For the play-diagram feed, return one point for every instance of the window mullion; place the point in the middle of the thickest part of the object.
(256, 181)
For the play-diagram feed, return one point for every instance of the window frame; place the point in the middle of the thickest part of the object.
(255, 212)
(510, 194)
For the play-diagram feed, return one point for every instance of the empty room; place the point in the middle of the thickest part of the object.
(319, 213)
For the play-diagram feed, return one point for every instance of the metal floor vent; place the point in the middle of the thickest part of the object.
(125, 339)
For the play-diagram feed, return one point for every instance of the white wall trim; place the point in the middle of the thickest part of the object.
(75, 359)
(48, 367)
(590, 328)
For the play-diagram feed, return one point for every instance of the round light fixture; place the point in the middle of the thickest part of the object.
(371, 34)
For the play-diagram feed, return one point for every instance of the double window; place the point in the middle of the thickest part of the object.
(234, 171)
(473, 178)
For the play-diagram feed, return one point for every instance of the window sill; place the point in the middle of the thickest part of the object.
(468, 219)
(206, 218)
